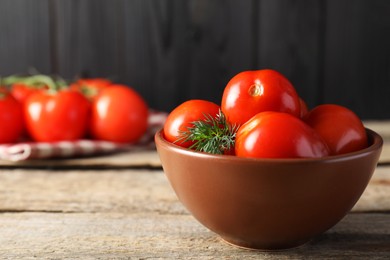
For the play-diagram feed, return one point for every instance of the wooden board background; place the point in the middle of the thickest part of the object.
(174, 50)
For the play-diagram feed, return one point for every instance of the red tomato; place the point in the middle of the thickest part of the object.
(278, 135)
(91, 87)
(252, 92)
(119, 114)
(22, 91)
(57, 116)
(11, 118)
(184, 115)
(304, 108)
(341, 128)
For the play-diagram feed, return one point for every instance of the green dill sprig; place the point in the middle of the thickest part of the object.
(212, 135)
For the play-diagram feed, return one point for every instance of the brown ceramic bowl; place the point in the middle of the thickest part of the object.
(268, 204)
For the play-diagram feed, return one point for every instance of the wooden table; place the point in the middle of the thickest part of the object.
(122, 207)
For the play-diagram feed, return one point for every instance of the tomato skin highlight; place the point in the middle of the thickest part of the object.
(119, 114)
(252, 92)
(11, 118)
(340, 127)
(59, 116)
(304, 108)
(278, 135)
(182, 117)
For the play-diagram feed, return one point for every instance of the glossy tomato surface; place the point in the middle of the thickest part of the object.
(119, 114)
(340, 127)
(252, 92)
(11, 118)
(304, 108)
(183, 116)
(278, 135)
(57, 116)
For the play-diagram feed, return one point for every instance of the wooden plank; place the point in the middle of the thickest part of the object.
(137, 191)
(357, 56)
(149, 28)
(223, 43)
(25, 39)
(87, 38)
(376, 197)
(382, 128)
(124, 191)
(290, 40)
(141, 158)
(179, 50)
(135, 214)
(154, 235)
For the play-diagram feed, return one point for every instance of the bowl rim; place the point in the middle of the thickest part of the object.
(376, 143)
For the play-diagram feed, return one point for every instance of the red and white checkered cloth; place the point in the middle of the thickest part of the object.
(66, 149)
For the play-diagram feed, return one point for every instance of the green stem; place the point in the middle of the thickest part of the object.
(41, 79)
(38, 81)
(12, 79)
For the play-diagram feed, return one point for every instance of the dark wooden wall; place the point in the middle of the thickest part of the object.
(174, 50)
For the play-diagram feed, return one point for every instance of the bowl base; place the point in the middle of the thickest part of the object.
(263, 248)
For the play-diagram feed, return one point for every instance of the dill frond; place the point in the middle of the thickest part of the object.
(212, 135)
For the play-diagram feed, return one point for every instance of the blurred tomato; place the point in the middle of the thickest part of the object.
(119, 114)
(304, 108)
(341, 128)
(278, 135)
(90, 87)
(22, 91)
(11, 118)
(252, 92)
(57, 115)
(3, 89)
(183, 116)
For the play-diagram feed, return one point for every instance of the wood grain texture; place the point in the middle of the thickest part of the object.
(123, 191)
(137, 191)
(179, 50)
(87, 38)
(136, 215)
(376, 197)
(156, 49)
(357, 57)
(223, 44)
(165, 236)
(172, 50)
(290, 38)
(24, 37)
(125, 159)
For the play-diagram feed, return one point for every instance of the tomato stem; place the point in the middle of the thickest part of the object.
(41, 79)
(35, 81)
(255, 90)
(7, 81)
